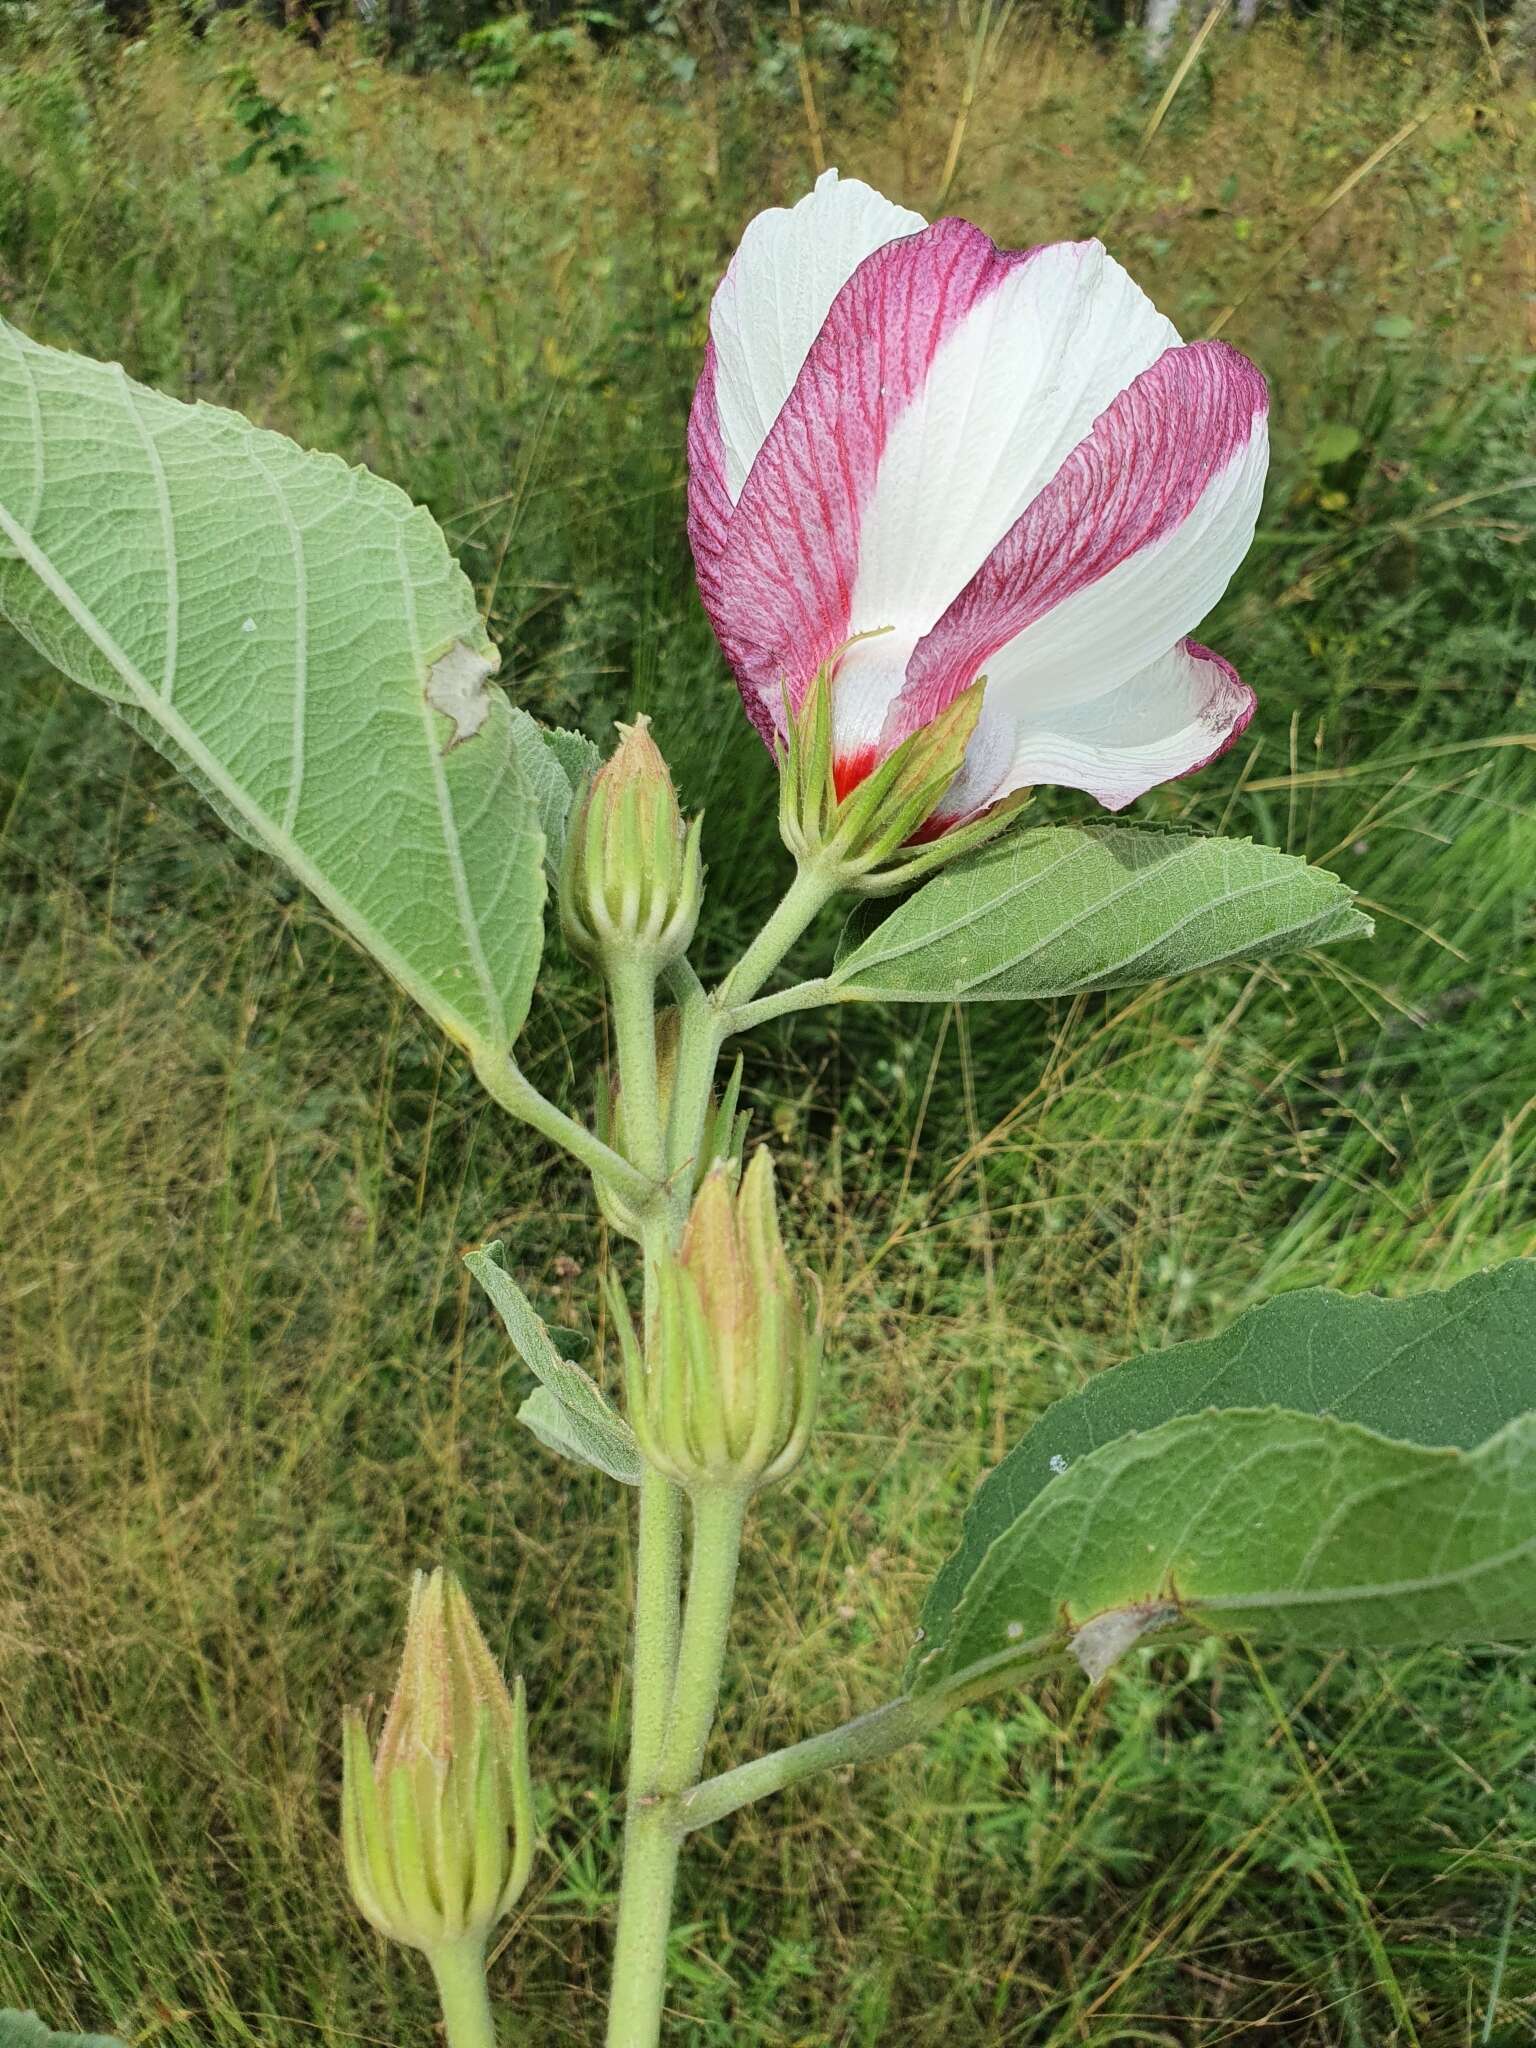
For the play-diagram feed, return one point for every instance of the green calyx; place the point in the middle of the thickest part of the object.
(437, 1826)
(632, 879)
(867, 837)
(723, 1392)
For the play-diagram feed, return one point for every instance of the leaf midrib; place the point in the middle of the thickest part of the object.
(1196, 1606)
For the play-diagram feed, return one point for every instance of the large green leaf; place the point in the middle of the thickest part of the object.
(1067, 909)
(1436, 1368)
(1289, 1528)
(296, 636)
(26, 2030)
(568, 1413)
(1331, 1471)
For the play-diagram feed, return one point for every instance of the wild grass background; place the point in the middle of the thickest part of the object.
(246, 1384)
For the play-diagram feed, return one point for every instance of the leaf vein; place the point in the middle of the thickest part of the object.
(162, 487)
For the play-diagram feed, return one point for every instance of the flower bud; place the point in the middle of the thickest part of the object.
(725, 1124)
(882, 834)
(725, 1394)
(631, 879)
(437, 1827)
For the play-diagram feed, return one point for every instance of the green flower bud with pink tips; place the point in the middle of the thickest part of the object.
(723, 1395)
(632, 880)
(437, 1826)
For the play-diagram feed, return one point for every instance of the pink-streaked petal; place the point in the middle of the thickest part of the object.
(791, 264)
(782, 585)
(1015, 386)
(709, 513)
(1123, 553)
(1177, 715)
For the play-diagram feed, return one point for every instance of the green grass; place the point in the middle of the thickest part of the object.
(246, 1383)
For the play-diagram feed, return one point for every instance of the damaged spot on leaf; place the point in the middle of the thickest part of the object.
(458, 685)
(1102, 1642)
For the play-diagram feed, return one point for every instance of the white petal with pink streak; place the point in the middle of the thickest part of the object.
(1012, 390)
(777, 569)
(790, 265)
(1118, 558)
(1172, 717)
(1104, 634)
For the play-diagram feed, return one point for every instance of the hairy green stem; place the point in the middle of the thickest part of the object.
(462, 1994)
(645, 1919)
(862, 1741)
(507, 1085)
(802, 995)
(717, 1520)
(650, 1839)
(681, 979)
(657, 1571)
(866, 1739)
(811, 890)
(632, 995)
(698, 1049)
(651, 1833)
(676, 1671)
(632, 1005)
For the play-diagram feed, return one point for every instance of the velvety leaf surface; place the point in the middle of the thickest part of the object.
(568, 1413)
(570, 1434)
(556, 763)
(1436, 1368)
(1288, 1528)
(296, 636)
(1181, 1480)
(1069, 909)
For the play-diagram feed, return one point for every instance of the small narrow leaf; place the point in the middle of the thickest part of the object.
(556, 763)
(576, 1420)
(296, 637)
(1330, 1471)
(1070, 909)
(577, 755)
(571, 1434)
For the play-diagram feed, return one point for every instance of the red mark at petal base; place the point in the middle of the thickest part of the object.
(930, 829)
(849, 770)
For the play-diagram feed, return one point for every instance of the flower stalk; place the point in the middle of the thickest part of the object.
(690, 1143)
